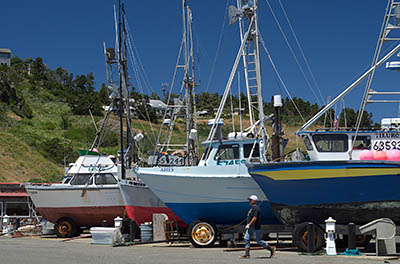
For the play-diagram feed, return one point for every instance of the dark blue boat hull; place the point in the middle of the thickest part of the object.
(348, 191)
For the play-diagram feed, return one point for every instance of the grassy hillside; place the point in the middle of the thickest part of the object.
(20, 162)
(44, 120)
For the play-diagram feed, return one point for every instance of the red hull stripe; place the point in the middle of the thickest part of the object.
(84, 216)
(142, 214)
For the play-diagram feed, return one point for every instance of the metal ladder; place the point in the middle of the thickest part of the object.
(251, 63)
(392, 15)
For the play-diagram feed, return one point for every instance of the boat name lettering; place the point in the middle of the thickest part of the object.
(167, 169)
(230, 162)
(387, 135)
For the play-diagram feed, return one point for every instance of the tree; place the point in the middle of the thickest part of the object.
(351, 118)
(38, 71)
(84, 96)
(103, 95)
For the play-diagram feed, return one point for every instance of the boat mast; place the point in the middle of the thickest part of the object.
(249, 51)
(191, 142)
(131, 150)
(188, 86)
(121, 96)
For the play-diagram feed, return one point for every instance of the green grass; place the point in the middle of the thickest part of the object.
(21, 162)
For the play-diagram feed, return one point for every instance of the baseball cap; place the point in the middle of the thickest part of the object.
(253, 197)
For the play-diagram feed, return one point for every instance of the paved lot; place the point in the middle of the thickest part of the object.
(35, 250)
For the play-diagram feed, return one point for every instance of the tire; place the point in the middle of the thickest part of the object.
(202, 234)
(361, 240)
(65, 228)
(299, 237)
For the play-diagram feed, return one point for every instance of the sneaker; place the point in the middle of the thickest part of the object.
(272, 250)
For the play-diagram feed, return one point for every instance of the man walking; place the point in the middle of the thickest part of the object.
(253, 228)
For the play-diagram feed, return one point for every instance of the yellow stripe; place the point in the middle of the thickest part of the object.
(327, 173)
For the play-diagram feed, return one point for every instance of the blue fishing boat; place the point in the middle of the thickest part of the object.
(348, 191)
(352, 174)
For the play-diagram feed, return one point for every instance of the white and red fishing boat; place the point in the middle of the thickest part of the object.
(88, 197)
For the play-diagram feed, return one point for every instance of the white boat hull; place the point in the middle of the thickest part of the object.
(86, 206)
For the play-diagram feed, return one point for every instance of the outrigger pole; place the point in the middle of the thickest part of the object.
(348, 89)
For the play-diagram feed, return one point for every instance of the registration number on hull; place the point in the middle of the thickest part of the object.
(386, 141)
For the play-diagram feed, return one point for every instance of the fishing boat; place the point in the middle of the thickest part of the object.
(139, 201)
(352, 174)
(89, 197)
(212, 195)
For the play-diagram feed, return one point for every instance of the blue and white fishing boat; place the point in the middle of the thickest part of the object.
(353, 175)
(213, 195)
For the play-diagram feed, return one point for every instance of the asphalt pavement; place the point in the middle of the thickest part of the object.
(35, 250)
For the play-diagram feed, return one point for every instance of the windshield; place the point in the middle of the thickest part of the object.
(227, 152)
(81, 179)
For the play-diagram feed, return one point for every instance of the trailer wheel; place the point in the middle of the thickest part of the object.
(202, 234)
(300, 239)
(65, 227)
(361, 240)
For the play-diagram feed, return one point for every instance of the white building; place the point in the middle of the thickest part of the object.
(5, 57)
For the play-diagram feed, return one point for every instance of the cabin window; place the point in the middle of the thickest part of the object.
(17, 209)
(331, 142)
(362, 142)
(247, 150)
(104, 179)
(82, 179)
(227, 152)
(307, 143)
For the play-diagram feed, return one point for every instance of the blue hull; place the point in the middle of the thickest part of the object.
(221, 213)
(350, 191)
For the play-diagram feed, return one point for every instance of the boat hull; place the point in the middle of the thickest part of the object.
(141, 203)
(85, 206)
(348, 191)
(206, 193)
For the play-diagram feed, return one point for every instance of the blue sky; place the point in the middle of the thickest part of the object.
(338, 39)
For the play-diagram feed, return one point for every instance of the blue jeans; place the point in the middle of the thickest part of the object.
(253, 232)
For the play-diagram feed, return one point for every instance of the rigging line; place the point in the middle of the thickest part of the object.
(292, 52)
(218, 47)
(279, 76)
(198, 43)
(301, 49)
(135, 69)
(146, 78)
(141, 124)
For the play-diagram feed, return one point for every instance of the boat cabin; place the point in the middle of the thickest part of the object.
(92, 170)
(231, 151)
(336, 145)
